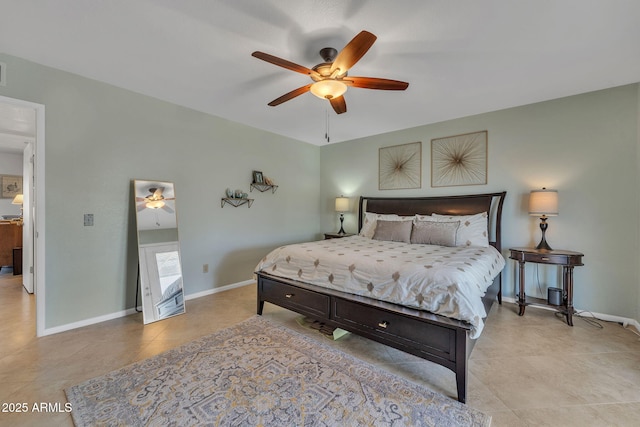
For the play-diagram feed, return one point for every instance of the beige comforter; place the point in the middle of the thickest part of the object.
(449, 281)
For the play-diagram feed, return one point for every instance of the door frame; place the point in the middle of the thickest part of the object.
(28, 244)
(38, 209)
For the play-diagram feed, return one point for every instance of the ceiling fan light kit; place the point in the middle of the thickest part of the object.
(155, 204)
(330, 77)
(154, 200)
(327, 89)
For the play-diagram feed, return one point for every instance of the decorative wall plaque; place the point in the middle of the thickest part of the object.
(459, 160)
(400, 166)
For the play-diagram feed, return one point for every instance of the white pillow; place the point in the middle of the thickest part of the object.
(370, 219)
(472, 231)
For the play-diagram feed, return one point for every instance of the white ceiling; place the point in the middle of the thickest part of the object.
(460, 57)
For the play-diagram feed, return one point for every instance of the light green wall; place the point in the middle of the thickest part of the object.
(161, 235)
(585, 146)
(99, 138)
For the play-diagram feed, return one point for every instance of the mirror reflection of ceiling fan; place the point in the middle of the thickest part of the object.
(330, 77)
(155, 200)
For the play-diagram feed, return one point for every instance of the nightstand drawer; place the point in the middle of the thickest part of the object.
(556, 257)
(550, 259)
(295, 298)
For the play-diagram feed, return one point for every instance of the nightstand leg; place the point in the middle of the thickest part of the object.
(521, 296)
(568, 288)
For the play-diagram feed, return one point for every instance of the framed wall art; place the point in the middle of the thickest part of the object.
(11, 186)
(258, 178)
(459, 160)
(400, 166)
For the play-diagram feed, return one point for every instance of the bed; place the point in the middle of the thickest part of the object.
(443, 332)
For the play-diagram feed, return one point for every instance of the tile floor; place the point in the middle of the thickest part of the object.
(524, 371)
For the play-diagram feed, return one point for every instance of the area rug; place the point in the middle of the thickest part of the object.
(258, 373)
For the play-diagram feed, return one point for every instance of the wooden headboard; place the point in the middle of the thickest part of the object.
(444, 205)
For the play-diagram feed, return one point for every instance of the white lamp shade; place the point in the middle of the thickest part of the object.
(18, 200)
(543, 202)
(342, 204)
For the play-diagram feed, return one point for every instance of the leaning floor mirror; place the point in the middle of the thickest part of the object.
(158, 250)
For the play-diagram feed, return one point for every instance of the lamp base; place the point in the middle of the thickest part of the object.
(341, 225)
(543, 245)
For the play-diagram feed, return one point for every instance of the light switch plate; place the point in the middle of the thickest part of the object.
(88, 220)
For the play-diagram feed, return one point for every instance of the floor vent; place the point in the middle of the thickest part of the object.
(3, 74)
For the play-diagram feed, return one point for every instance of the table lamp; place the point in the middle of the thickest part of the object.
(342, 206)
(18, 200)
(543, 203)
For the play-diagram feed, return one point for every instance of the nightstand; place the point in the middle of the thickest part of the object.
(566, 259)
(336, 235)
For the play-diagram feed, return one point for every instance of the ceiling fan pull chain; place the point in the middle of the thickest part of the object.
(327, 137)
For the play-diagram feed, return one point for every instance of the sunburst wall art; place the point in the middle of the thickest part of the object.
(400, 166)
(459, 160)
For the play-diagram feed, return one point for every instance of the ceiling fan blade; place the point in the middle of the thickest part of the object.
(353, 51)
(290, 95)
(157, 192)
(339, 104)
(375, 83)
(167, 209)
(285, 64)
(141, 207)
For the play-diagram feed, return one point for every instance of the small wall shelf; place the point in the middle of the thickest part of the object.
(235, 202)
(263, 187)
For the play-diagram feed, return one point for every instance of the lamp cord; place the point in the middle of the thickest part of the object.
(593, 320)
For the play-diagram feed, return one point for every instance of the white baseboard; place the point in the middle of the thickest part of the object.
(87, 322)
(220, 289)
(127, 312)
(624, 321)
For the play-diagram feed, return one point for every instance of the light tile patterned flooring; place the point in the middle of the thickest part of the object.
(524, 371)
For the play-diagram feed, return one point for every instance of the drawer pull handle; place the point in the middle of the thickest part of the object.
(288, 296)
(383, 324)
(544, 258)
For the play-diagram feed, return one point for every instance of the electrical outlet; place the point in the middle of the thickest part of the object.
(88, 220)
(205, 268)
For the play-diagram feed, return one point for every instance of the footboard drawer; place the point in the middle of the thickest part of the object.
(394, 327)
(294, 298)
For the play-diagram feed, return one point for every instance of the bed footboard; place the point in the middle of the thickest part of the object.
(435, 338)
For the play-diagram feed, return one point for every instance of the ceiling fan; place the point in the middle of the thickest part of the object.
(155, 200)
(330, 77)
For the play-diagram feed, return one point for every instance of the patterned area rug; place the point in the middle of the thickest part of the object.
(258, 373)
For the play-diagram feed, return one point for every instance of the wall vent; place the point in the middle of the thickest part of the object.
(3, 74)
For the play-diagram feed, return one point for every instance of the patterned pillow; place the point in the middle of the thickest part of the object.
(393, 231)
(473, 229)
(430, 232)
(370, 220)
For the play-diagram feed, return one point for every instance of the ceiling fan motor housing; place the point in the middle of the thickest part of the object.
(328, 54)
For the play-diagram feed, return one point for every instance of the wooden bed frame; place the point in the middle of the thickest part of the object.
(430, 336)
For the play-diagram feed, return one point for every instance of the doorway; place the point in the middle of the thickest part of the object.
(14, 125)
